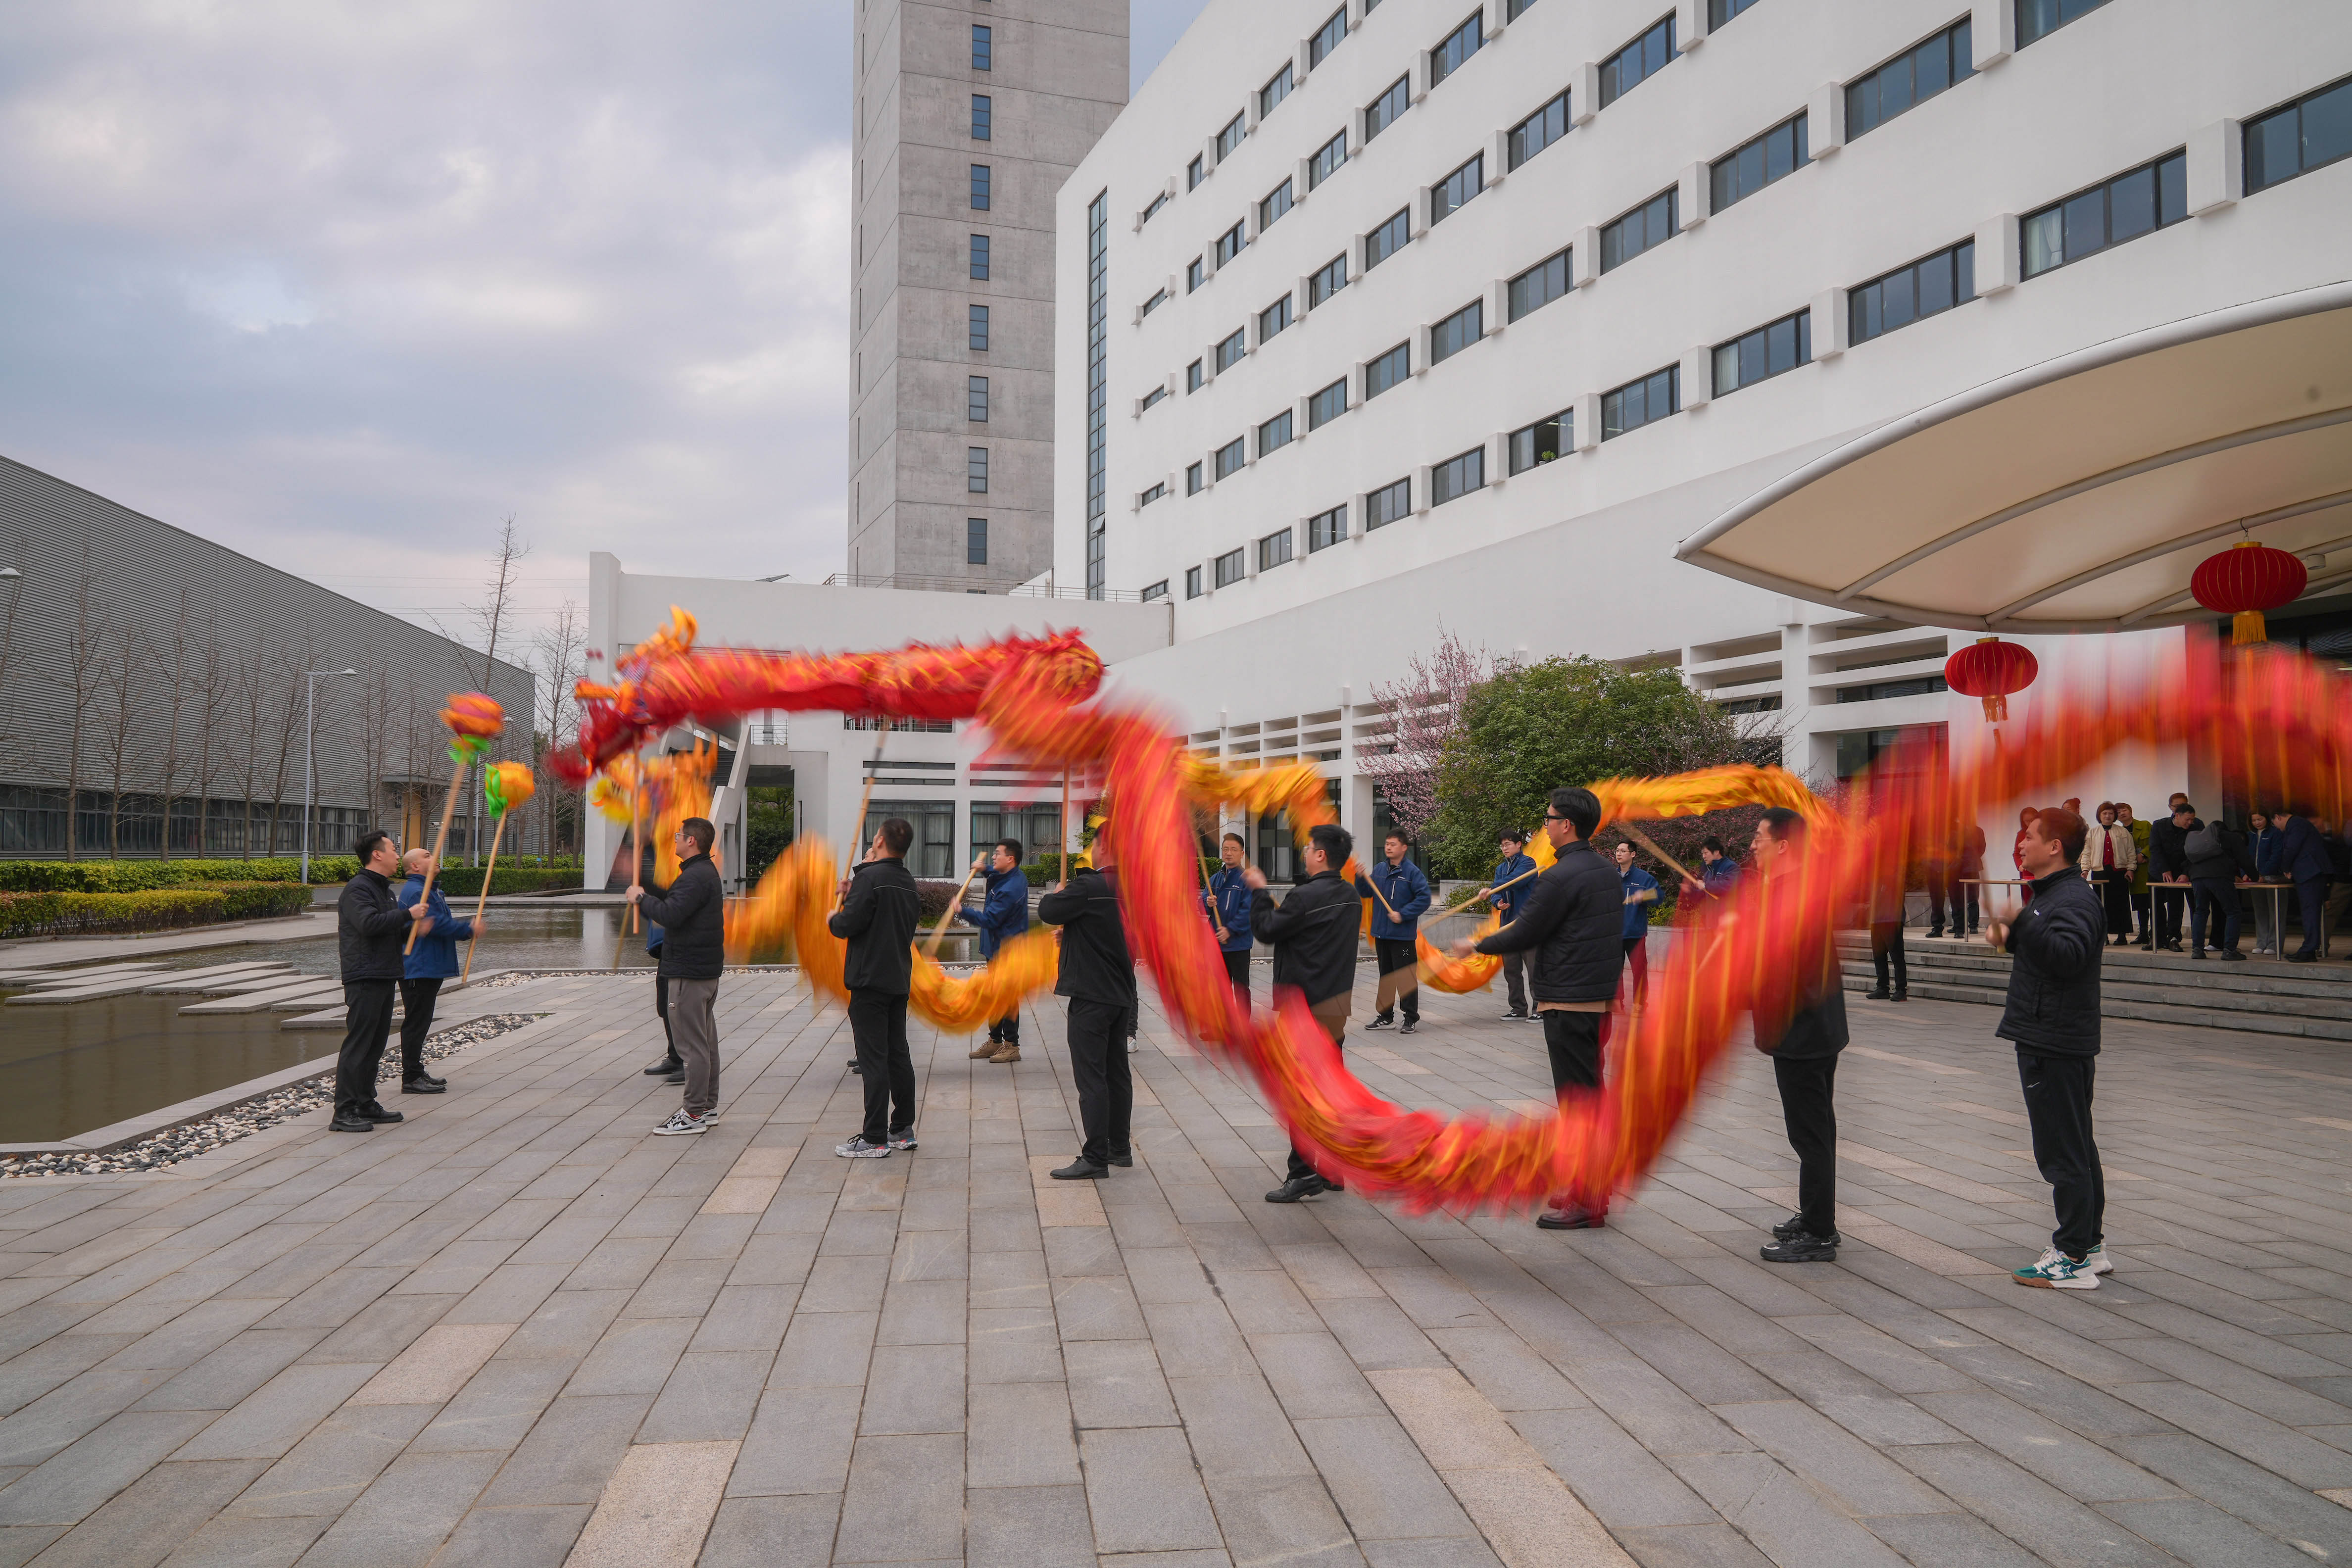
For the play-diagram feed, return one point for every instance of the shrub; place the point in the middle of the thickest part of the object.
(147, 909)
(131, 875)
(932, 901)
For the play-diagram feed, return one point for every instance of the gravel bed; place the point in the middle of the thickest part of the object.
(227, 1126)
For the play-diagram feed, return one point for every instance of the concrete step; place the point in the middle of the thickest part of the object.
(216, 979)
(2246, 1020)
(302, 995)
(2129, 966)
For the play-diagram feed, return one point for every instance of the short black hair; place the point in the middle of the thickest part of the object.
(1236, 838)
(1336, 842)
(2180, 806)
(1783, 824)
(1513, 836)
(365, 848)
(2067, 827)
(698, 828)
(1400, 834)
(897, 835)
(1714, 843)
(1582, 807)
(1012, 847)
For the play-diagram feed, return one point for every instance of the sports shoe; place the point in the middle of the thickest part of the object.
(1297, 1188)
(2231, 955)
(682, 1120)
(857, 1147)
(1795, 1226)
(2056, 1271)
(902, 1139)
(1410, 1027)
(1381, 1021)
(1513, 1017)
(2097, 1261)
(1803, 1247)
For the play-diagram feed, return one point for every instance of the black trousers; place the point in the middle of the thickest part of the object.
(1237, 970)
(417, 1000)
(1400, 986)
(2311, 896)
(2213, 907)
(661, 1011)
(1097, 1032)
(2058, 1104)
(1574, 1040)
(2168, 910)
(367, 1025)
(1963, 895)
(1885, 944)
(1515, 980)
(1809, 1110)
(2115, 892)
(877, 1022)
(1331, 1014)
(1006, 1031)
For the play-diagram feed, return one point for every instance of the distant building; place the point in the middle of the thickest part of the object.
(153, 685)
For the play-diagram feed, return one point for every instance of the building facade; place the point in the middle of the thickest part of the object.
(970, 114)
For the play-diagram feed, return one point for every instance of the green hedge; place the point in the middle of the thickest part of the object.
(147, 909)
(133, 876)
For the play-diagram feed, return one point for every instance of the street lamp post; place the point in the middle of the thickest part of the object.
(311, 712)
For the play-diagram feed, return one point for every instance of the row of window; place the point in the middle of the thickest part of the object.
(976, 327)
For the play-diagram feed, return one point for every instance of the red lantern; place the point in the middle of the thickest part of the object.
(1991, 669)
(2245, 580)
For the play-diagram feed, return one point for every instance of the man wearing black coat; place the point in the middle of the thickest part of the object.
(878, 919)
(371, 928)
(1805, 1054)
(1098, 977)
(2167, 862)
(1313, 932)
(1572, 924)
(693, 918)
(2052, 1018)
(2303, 858)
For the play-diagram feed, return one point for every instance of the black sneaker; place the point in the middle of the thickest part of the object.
(856, 1066)
(1410, 1027)
(1802, 1247)
(1081, 1170)
(2198, 954)
(1795, 1226)
(1935, 933)
(902, 1139)
(665, 1066)
(1514, 1017)
(1297, 1188)
(426, 1077)
(1878, 995)
(2231, 955)
(423, 1086)
(1381, 1021)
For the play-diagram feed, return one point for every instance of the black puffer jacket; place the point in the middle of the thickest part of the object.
(878, 919)
(693, 918)
(1314, 934)
(2053, 986)
(1571, 925)
(371, 927)
(1094, 965)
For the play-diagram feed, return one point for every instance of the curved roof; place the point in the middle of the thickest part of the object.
(2077, 495)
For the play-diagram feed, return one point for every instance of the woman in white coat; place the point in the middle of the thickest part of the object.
(2109, 855)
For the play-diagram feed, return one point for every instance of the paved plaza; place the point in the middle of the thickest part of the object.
(520, 1331)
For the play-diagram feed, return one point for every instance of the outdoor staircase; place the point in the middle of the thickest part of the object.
(2263, 996)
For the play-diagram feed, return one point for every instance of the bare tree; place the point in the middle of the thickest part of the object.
(121, 685)
(212, 700)
(288, 721)
(1423, 709)
(171, 664)
(13, 590)
(86, 673)
(558, 649)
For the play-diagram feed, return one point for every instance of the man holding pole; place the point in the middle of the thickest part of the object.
(693, 918)
(1003, 916)
(1096, 975)
(1400, 893)
(1313, 934)
(371, 927)
(1228, 903)
(1512, 875)
(1804, 1052)
(877, 918)
(433, 959)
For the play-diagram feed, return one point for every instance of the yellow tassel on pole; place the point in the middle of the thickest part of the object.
(2248, 626)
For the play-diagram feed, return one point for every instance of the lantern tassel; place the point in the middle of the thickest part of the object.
(2248, 626)
(1996, 709)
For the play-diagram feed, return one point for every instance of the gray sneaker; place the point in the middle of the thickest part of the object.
(857, 1147)
(682, 1120)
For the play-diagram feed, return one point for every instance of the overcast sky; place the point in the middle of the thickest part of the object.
(341, 285)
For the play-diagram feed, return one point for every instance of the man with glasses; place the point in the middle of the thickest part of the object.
(693, 918)
(371, 928)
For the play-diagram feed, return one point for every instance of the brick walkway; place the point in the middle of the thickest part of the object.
(518, 1330)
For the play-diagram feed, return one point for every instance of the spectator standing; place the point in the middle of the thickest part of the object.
(1886, 915)
(877, 918)
(1640, 890)
(2303, 859)
(693, 917)
(2339, 858)
(1805, 1053)
(2262, 839)
(2218, 857)
(1003, 915)
(2141, 833)
(1573, 924)
(1097, 977)
(2168, 867)
(1517, 869)
(1968, 870)
(2053, 1020)
(1400, 895)
(433, 959)
(1228, 903)
(2108, 857)
(371, 927)
(1313, 934)
(1935, 870)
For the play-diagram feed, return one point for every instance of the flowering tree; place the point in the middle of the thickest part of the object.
(1425, 711)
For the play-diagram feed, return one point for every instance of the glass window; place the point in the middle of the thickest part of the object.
(1326, 529)
(1194, 273)
(1098, 395)
(1229, 245)
(1274, 92)
(1193, 376)
(2140, 202)
(1326, 160)
(980, 48)
(1767, 352)
(2315, 129)
(1193, 480)
(976, 328)
(1718, 12)
(2037, 19)
(932, 855)
(1779, 152)
(980, 257)
(1277, 202)
(1156, 203)
(1638, 61)
(1275, 434)
(1646, 227)
(980, 187)
(975, 398)
(1457, 477)
(1639, 403)
(975, 470)
(1274, 549)
(1927, 287)
(1383, 112)
(1457, 331)
(1230, 136)
(1538, 286)
(1453, 193)
(1913, 76)
(1194, 173)
(1157, 492)
(1387, 504)
(1457, 47)
(1273, 319)
(1326, 280)
(1544, 441)
(1158, 297)
(975, 541)
(1155, 394)
(1230, 458)
(1536, 132)
(1326, 38)
(1387, 371)
(1514, 9)
(1193, 582)
(982, 114)
(1157, 591)
(1229, 353)
(1231, 567)
(1327, 404)
(1388, 239)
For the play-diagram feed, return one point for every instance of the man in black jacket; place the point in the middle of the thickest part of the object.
(877, 918)
(1098, 977)
(2168, 864)
(2052, 1018)
(1313, 932)
(1572, 924)
(371, 930)
(1805, 1054)
(693, 918)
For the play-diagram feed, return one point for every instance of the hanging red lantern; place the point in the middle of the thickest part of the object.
(2245, 580)
(1991, 669)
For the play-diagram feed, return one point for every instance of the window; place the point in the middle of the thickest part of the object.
(1276, 202)
(1457, 477)
(1538, 286)
(1780, 152)
(1326, 529)
(1388, 239)
(1926, 287)
(1155, 394)
(1383, 112)
(1646, 227)
(1274, 551)
(1194, 173)
(984, 110)
(2130, 205)
(1273, 319)
(1767, 352)
(1387, 371)
(1157, 591)
(1193, 378)
(1915, 76)
(1275, 434)
(1457, 331)
(1385, 505)
(975, 541)
(976, 328)
(1157, 492)
(980, 257)
(1274, 92)
(1194, 483)
(1514, 9)
(2037, 19)
(1543, 442)
(1229, 353)
(1638, 61)
(1639, 403)
(1453, 193)
(1718, 12)
(1156, 203)
(1194, 274)
(1327, 405)
(1458, 45)
(1158, 297)
(1326, 280)
(975, 399)
(1231, 567)
(1097, 393)
(1536, 132)
(1230, 458)
(1326, 160)
(980, 187)
(1229, 245)
(1230, 136)
(1326, 38)
(1879, 690)
(2315, 129)
(980, 48)
(975, 470)
(1193, 582)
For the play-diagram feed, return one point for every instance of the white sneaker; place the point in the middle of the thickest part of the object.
(857, 1147)
(2097, 1261)
(2056, 1271)
(682, 1121)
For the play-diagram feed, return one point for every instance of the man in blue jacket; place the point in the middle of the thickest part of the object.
(2303, 859)
(1517, 869)
(433, 959)
(1400, 893)
(1640, 891)
(1003, 915)
(1228, 903)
